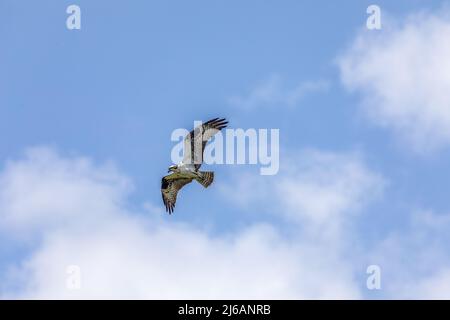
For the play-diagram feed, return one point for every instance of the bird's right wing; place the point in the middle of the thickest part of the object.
(170, 185)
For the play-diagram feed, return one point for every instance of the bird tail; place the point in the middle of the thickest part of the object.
(205, 178)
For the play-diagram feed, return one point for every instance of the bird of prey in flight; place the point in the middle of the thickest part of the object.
(188, 169)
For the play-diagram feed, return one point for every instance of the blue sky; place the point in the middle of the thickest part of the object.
(116, 89)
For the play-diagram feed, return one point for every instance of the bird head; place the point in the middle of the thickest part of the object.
(172, 168)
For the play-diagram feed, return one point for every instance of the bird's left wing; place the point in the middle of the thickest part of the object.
(170, 185)
(195, 141)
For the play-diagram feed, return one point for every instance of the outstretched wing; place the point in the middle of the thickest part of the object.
(195, 141)
(170, 185)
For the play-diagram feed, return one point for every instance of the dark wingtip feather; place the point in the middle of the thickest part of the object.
(211, 121)
(219, 123)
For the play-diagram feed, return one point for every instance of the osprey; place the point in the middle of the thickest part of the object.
(188, 169)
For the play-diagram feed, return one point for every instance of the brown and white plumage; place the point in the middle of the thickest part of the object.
(188, 169)
(170, 185)
(195, 141)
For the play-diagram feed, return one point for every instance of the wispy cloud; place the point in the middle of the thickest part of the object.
(273, 93)
(415, 260)
(44, 191)
(403, 75)
(320, 191)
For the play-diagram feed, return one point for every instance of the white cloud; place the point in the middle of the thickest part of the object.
(272, 93)
(323, 194)
(45, 191)
(77, 213)
(126, 260)
(321, 190)
(403, 74)
(414, 261)
(436, 286)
